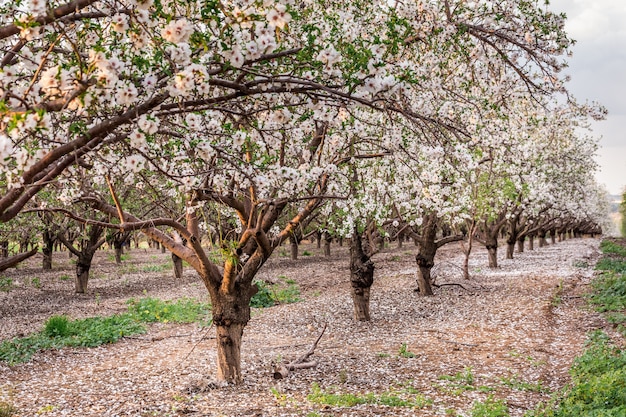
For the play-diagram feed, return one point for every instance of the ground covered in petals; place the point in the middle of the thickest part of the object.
(505, 338)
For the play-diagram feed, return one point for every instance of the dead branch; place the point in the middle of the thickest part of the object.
(281, 370)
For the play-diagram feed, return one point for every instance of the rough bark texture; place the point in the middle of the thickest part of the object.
(492, 250)
(361, 278)
(520, 245)
(229, 352)
(293, 244)
(178, 266)
(531, 242)
(231, 313)
(16, 259)
(510, 248)
(425, 258)
(47, 250)
(83, 265)
(327, 240)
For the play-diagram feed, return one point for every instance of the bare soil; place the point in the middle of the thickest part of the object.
(516, 330)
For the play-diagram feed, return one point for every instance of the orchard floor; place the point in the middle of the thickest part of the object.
(515, 330)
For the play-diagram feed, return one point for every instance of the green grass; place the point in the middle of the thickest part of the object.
(491, 407)
(405, 353)
(400, 398)
(609, 288)
(517, 384)
(184, 310)
(610, 247)
(7, 410)
(61, 331)
(611, 264)
(157, 268)
(598, 386)
(6, 284)
(285, 291)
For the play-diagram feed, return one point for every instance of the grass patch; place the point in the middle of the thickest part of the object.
(61, 331)
(611, 264)
(517, 384)
(157, 268)
(184, 310)
(285, 291)
(6, 284)
(400, 398)
(491, 407)
(610, 247)
(7, 410)
(598, 386)
(404, 352)
(461, 382)
(609, 288)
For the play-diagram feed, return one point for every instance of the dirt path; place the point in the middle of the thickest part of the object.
(512, 333)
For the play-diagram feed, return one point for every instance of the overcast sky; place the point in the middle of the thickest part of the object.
(598, 70)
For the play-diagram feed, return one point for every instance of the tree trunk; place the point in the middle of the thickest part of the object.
(423, 279)
(118, 252)
(83, 265)
(4, 249)
(531, 242)
(47, 250)
(178, 266)
(293, 244)
(231, 313)
(492, 250)
(553, 236)
(510, 249)
(361, 278)
(520, 245)
(229, 353)
(327, 240)
(361, 301)
(318, 239)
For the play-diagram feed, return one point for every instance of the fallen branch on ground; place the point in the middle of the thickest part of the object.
(281, 370)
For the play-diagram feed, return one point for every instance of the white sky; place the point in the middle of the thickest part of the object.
(598, 70)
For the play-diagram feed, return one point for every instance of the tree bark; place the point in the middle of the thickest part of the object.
(361, 278)
(229, 352)
(293, 244)
(47, 250)
(178, 266)
(510, 249)
(423, 277)
(520, 245)
(492, 251)
(16, 259)
(4, 249)
(83, 265)
(327, 240)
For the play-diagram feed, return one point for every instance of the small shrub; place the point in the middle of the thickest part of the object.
(264, 297)
(306, 253)
(64, 277)
(6, 284)
(405, 353)
(285, 292)
(7, 410)
(57, 326)
(36, 282)
(490, 408)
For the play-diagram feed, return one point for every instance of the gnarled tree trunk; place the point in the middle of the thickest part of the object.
(178, 266)
(47, 249)
(361, 278)
(293, 245)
